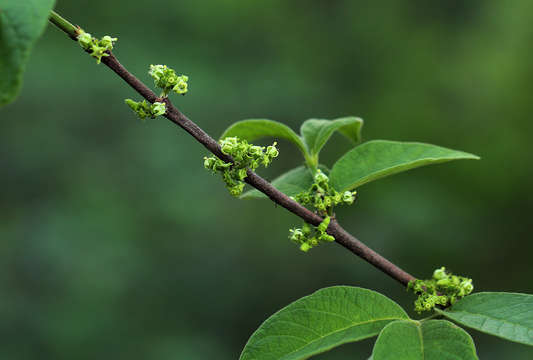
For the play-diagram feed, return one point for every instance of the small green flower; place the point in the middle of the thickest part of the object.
(96, 48)
(296, 235)
(348, 197)
(440, 274)
(324, 224)
(245, 156)
(167, 79)
(85, 40)
(272, 151)
(158, 108)
(309, 236)
(107, 42)
(181, 86)
(157, 71)
(305, 247)
(143, 109)
(320, 178)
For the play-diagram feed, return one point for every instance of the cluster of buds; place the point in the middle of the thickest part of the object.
(166, 79)
(143, 109)
(96, 48)
(442, 289)
(323, 197)
(245, 156)
(309, 236)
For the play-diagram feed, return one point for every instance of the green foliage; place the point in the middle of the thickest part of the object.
(166, 79)
(316, 132)
(423, 340)
(367, 162)
(316, 323)
(290, 183)
(21, 24)
(506, 315)
(379, 158)
(442, 289)
(97, 48)
(143, 109)
(253, 129)
(245, 156)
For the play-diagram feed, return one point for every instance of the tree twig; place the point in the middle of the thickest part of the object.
(173, 114)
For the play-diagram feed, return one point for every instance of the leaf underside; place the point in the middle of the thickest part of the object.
(21, 24)
(318, 322)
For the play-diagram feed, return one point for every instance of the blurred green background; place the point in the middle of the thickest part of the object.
(116, 243)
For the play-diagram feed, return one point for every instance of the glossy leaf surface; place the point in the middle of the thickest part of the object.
(316, 132)
(427, 340)
(291, 183)
(253, 129)
(316, 323)
(380, 158)
(21, 24)
(506, 315)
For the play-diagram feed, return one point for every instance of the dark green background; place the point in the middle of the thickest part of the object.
(117, 244)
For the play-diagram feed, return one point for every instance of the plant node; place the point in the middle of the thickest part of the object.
(166, 79)
(322, 197)
(143, 109)
(97, 48)
(245, 156)
(310, 236)
(442, 289)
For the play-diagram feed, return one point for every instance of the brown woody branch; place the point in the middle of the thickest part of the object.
(173, 114)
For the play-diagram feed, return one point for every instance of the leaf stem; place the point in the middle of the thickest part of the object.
(431, 317)
(173, 114)
(62, 23)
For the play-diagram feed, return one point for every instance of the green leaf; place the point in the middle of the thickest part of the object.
(379, 158)
(506, 315)
(291, 183)
(426, 340)
(253, 129)
(21, 24)
(318, 322)
(316, 132)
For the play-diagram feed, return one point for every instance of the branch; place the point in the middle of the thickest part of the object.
(173, 114)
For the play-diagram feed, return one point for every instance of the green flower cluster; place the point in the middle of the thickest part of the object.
(143, 109)
(166, 79)
(442, 289)
(323, 197)
(96, 48)
(245, 156)
(309, 236)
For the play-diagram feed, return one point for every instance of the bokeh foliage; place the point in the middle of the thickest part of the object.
(115, 241)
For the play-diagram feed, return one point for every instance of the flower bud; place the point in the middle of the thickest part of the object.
(85, 40)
